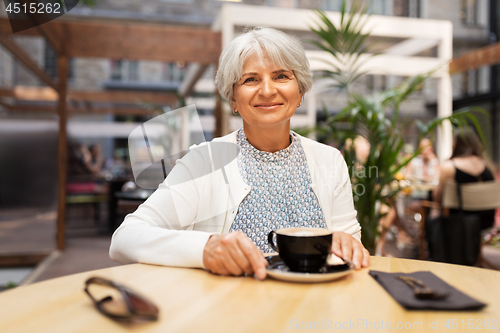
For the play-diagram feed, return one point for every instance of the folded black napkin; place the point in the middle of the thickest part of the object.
(403, 294)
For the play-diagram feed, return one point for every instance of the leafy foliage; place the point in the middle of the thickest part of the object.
(375, 117)
(347, 43)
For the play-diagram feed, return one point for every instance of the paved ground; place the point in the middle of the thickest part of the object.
(81, 254)
(27, 231)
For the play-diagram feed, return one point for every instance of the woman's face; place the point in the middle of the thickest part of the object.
(266, 96)
(426, 146)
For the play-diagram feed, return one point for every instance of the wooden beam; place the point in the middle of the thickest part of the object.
(123, 96)
(29, 93)
(141, 41)
(132, 41)
(121, 111)
(54, 36)
(194, 73)
(7, 93)
(62, 69)
(52, 33)
(22, 259)
(5, 105)
(486, 56)
(218, 113)
(124, 111)
(21, 55)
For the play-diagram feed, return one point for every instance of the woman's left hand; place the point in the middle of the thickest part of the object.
(347, 247)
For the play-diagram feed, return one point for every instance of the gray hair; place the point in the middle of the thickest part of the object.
(283, 50)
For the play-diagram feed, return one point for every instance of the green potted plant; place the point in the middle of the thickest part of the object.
(375, 117)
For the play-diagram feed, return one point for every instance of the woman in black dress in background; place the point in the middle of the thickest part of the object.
(467, 165)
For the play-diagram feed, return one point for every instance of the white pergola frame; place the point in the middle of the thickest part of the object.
(419, 35)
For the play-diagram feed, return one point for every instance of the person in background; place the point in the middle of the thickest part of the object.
(92, 158)
(424, 167)
(467, 164)
(116, 167)
(361, 148)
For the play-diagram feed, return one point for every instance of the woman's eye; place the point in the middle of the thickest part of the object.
(250, 79)
(282, 77)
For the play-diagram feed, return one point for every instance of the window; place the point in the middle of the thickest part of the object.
(474, 12)
(50, 62)
(132, 70)
(378, 7)
(174, 71)
(407, 8)
(332, 5)
(116, 70)
(468, 83)
(124, 70)
(475, 82)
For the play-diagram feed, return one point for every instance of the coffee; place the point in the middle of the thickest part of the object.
(304, 232)
(302, 249)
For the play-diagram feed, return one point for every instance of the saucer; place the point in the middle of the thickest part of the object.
(279, 271)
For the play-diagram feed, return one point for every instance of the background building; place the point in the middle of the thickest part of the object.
(474, 26)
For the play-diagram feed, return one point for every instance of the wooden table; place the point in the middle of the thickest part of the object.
(193, 300)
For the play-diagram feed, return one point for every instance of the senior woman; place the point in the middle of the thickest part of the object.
(278, 179)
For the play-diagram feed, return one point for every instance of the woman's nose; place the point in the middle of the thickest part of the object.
(267, 87)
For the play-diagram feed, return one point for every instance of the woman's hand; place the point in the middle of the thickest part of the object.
(234, 254)
(347, 247)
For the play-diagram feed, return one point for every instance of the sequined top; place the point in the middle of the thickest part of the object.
(280, 195)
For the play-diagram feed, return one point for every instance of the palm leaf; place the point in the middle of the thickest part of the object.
(345, 42)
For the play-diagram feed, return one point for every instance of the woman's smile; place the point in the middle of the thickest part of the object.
(268, 106)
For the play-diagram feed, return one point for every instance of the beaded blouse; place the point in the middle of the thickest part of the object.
(280, 195)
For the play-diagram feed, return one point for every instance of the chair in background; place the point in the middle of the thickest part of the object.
(475, 197)
(83, 198)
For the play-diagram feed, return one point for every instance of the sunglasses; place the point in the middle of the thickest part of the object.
(119, 302)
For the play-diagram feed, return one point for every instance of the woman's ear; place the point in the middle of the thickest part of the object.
(234, 105)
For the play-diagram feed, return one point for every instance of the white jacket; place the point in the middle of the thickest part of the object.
(173, 226)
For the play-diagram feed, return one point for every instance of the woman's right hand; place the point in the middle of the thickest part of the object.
(234, 254)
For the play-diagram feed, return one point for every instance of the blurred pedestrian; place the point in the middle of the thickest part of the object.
(467, 164)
